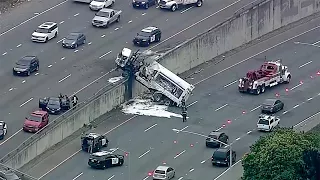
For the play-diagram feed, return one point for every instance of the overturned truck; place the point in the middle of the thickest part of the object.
(164, 85)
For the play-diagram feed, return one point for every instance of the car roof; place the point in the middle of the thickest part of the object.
(47, 25)
(266, 117)
(215, 133)
(93, 135)
(269, 101)
(102, 153)
(28, 58)
(106, 10)
(54, 99)
(75, 33)
(223, 149)
(162, 168)
(39, 113)
(149, 29)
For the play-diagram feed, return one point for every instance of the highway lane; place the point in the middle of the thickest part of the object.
(80, 62)
(242, 129)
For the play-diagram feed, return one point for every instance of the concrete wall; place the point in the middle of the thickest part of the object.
(246, 25)
(69, 123)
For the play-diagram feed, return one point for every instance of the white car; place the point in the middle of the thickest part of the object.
(163, 173)
(45, 32)
(96, 5)
(267, 122)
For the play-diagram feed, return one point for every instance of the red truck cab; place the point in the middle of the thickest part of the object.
(36, 121)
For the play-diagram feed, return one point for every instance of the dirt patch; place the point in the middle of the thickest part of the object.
(6, 5)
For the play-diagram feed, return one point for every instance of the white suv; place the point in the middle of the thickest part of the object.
(45, 32)
(267, 122)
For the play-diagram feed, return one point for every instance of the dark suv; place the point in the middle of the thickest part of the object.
(26, 65)
(222, 157)
(211, 140)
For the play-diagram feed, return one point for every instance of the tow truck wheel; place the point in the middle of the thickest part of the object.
(288, 80)
(167, 102)
(263, 89)
(173, 8)
(258, 90)
(157, 97)
(199, 3)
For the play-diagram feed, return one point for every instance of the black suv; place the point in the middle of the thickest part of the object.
(147, 36)
(26, 65)
(222, 157)
(211, 140)
(143, 3)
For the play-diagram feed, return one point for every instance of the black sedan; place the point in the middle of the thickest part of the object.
(73, 40)
(3, 129)
(54, 105)
(272, 106)
(143, 3)
(26, 65)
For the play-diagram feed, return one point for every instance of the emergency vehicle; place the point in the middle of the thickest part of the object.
(270, 74)
(93, 142)
(105, 159)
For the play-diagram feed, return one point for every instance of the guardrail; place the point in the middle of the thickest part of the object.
(57, 121)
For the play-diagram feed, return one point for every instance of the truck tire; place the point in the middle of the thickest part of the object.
(258, 90)
(173, 8)
(199, 3)
(167, 102)
(288, 79)
(263, 88)
(157, 97)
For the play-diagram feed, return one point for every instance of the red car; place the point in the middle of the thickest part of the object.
(36, 121)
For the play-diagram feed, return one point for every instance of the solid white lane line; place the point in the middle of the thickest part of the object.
(295, 87)
(105, 54)
(179, 154)
(19, 45)
(4, 53)
(192, 104)
(93, 82)
(194, 24)
(111, 177)
(64, 78)
(11, 29)
(305, 64)
(26, 102)
(61, 22)
(77, 176)
(144, 154)
(227, 170)
(255, 108)
(60, 40)
(233, 82)
(219, 108)
(76, 15)
(10, 137)
(50, 66)
(23, 81)
(186, 10)
(150, 127)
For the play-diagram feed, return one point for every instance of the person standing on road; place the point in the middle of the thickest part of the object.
(184, 110)
(74, 101)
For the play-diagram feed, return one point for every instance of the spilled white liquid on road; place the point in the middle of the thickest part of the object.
(148, 108)
(115, 79)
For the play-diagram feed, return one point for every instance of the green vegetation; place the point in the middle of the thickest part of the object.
(283, 155)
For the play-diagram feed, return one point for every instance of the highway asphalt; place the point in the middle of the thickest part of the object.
(76, 71)
(215, 101)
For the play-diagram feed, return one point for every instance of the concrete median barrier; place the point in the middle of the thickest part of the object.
(65, 125)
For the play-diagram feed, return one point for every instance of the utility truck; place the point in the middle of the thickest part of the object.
(164, 85)
(270, 74)
(173, 5)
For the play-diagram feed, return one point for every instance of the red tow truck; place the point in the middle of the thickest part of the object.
(270, 74)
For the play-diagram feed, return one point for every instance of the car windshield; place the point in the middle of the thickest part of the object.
(213, 136)
(145, 34)
(23, 62)
(102, 14)
(54, 102)
(41, 30)
(99, 158)
(219, 154)
(160, 172)
(263, 121)
(268, 102)
(72, 37)
(34, 118)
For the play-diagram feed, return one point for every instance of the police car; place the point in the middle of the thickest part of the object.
(105, 159)
(96, 141)
(147, 36)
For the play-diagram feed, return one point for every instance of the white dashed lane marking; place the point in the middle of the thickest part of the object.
(36, 74)
(111, 177)
(105, 54)
(61, 22)
(233, 82)
(219, 108)
(4, 53)
(179, 154)
(26, 102)
(116, 29)
(50, 66)
(103, 35)
(60, 40)
(143, 14)
(19, 45)
(23, 81)
(255, 108)
(64, 78)
(63, 58)
(10, 89)
(150, 127)
(305, 64)
(144, 154)
(76, 15)
(76, 50)
(89, 43)
(129, 22)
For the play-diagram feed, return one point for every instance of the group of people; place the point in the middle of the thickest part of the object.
(74, 99)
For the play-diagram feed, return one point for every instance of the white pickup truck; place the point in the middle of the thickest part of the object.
(173, 5)
(105, 17)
